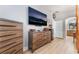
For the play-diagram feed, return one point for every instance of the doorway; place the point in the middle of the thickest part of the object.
(71, 29)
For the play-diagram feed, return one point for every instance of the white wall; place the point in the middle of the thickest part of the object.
(43, 9)
(15, 13)
(64, 12)
(54, 27)
(58, 30)
(20, 13)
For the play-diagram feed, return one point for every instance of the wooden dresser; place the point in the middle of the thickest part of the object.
(38, 39)
(11, 37)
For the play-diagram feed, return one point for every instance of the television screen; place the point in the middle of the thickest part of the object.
(37, 17)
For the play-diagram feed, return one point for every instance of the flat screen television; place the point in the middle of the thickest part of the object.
(36, 17)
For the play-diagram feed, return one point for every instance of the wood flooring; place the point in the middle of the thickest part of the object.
(57, 46)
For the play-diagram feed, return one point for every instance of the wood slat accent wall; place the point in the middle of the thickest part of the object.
(11, 37)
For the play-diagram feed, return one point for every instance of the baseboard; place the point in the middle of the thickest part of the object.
(25, 49)
(59, 37)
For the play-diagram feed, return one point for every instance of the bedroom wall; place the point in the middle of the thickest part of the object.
(43, 9)
(20, 13)
(59, 29)
(64, 12)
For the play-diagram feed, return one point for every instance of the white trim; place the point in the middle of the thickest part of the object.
(25, 49)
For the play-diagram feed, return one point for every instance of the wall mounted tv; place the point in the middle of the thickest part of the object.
(36, 17)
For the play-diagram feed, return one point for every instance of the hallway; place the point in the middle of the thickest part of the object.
(58, 46)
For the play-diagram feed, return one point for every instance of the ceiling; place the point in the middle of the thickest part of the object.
(64, 11)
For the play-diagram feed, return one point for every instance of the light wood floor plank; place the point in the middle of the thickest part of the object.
(57, 46)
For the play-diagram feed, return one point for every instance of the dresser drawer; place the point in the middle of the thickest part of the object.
(10, 23)
(14, 50)
(7, 22)
(8, 42)
(37, 34)
(47, 33)
(10, 51)
(37, 37)
(8, 33)
(3, 49)
(19, 49)
(8, 28)
(10, 37)
(34, 47)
